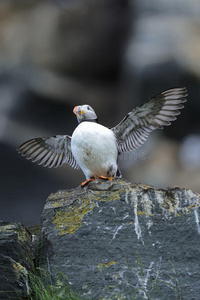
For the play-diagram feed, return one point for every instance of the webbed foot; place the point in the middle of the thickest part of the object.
(86, 182)
(106, 178)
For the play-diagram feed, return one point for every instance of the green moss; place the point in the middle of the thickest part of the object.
(4, 228)
(17, 229)
(58, 203)
(141, 213)
(67, 222)
(18, 267)
(19, 270)
(60, 195)
(104, 265)
(21, 234)
(104, 196)
(187, 210)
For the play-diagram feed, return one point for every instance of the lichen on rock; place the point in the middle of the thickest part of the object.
(69, 221)
(16, 260)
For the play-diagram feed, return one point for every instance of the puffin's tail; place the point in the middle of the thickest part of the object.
(118, 174)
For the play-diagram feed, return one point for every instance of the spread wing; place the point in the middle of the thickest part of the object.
(157, 112)
(49, 151)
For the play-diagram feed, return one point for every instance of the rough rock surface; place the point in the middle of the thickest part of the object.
(116, 240)
(16, 259)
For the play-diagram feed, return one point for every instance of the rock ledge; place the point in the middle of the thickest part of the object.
(116, 239)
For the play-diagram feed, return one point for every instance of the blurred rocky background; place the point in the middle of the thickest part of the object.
(113, 55)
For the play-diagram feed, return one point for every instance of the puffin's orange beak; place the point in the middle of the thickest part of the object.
(75, 110)
(78, 112)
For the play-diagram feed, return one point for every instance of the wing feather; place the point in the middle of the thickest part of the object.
(49, 151)
(157, 112)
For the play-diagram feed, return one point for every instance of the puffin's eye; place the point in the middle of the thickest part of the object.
(88, 107)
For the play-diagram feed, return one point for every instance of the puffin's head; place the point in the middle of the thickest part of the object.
(85, 113)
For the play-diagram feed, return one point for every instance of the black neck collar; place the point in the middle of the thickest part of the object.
(90, 120)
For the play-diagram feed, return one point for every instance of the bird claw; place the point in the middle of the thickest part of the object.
(86, 181)
(92, 179)
(106, 178)
(102, 177)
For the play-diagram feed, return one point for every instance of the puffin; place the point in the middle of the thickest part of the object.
(95, 148)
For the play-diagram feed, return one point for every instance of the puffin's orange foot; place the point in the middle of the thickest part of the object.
(103, 177)
(85, 182)
(106, 178)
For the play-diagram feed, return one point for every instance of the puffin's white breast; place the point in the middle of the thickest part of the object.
(95, 149)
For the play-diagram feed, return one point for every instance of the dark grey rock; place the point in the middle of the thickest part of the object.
(116, 240)
(16, 260)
